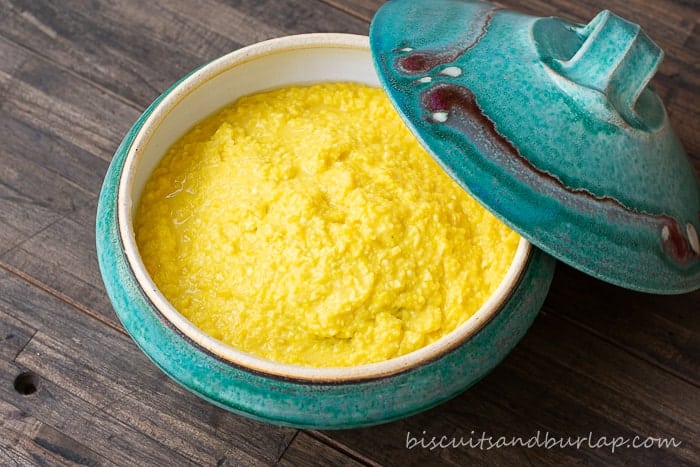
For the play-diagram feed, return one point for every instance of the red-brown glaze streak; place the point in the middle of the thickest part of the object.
(422, 62)
(676, 244)
(466, 115)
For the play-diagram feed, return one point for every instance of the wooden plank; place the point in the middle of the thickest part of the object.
(53, 153)
(309, 452)
(233, 22)
(51, 409)
(27, 441)
(684, 113)
(62, 258)
(47, 422)
(127, 61)
(136, 50)
(60, 105)
(664, 330)
(119, 383)
(57, 197)
(140, 396)
(205, 433)
(361, 9)
(26, 210)
(559, 380)
(10, 235)
(67, 165)
(24, 440)
(14, 335)
(413, 441)
(301, 17)
(53, 276)
(47, 357)
(580, 383)
(480, 410)
(76, 419)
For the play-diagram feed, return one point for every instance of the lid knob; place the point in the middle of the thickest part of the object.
(616, 58)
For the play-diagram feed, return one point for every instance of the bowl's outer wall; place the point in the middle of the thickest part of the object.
(304, 404)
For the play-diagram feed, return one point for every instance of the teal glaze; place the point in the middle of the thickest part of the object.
(552, 126)
(303, 403)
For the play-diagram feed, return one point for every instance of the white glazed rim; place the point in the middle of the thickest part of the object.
(237, 357)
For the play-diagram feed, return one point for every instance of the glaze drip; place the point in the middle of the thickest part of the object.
(441, 72)
(419, 62)
(458, 108)
(675, 243)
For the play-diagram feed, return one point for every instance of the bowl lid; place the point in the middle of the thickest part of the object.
(554, 128)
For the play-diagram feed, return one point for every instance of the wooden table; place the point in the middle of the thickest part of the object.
(599, 361)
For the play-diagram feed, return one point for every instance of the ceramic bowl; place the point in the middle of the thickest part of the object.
(265, 390)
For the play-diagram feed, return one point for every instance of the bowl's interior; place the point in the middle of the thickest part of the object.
(279, 62)
(232, 76)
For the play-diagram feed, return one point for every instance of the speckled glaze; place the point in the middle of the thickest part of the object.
(554, 128)
(324, 398)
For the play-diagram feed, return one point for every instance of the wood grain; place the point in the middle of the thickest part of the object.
(75, 75)
(98, 372)
(136, 50)
(559, 380)
(25, 440)
(663, 330)
(46, 96)
(73, 269)
(297, 453)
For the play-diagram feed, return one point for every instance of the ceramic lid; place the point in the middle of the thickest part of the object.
(553, 127)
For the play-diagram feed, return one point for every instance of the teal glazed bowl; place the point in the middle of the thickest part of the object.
(323, 398)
